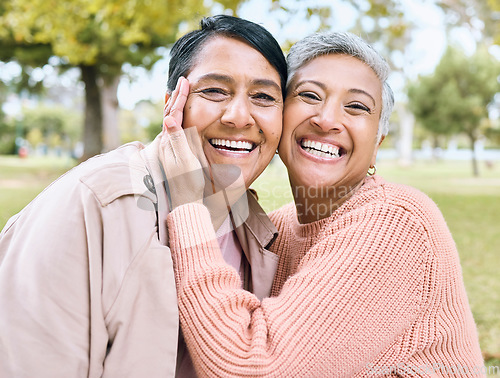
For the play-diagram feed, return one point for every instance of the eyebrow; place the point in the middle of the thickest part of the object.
(318, 83)
(323, 86)
(229, 80)
(216, 77)
(361, 91)
(267, 83)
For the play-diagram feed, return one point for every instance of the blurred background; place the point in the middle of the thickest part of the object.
(79, 77)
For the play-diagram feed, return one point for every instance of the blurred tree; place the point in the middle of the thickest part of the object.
(98, 36)
(35, 137)
(492, 132)
(481, 17)
(56, 126)
(144, 122)
(381, 22)
(7, 129)
(456, 96)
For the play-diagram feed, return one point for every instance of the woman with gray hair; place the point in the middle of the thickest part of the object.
(369, 279)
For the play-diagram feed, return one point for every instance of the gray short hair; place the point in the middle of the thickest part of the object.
(319, 44)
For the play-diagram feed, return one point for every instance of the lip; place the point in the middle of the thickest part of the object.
(317, 158)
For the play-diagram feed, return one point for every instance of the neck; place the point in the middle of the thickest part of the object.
(315, 203)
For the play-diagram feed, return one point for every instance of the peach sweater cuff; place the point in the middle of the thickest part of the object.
(199, 239)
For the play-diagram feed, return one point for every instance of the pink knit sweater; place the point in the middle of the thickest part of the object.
(374, 289)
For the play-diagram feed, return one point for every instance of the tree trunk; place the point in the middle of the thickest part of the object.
(475, 167)
(405, 143)
(110, 113)
(436, 147)
(92, 130)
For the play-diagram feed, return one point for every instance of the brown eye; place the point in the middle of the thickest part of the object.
(264, 96)
(263, 99)
(214, 94)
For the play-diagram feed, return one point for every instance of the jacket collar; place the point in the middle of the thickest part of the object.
(153, 165)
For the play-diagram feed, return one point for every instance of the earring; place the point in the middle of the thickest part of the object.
(372, 170)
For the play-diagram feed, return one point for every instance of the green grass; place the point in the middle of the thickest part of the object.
(22, 179)
(471, 207)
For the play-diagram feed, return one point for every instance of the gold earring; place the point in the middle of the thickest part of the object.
(372, 170)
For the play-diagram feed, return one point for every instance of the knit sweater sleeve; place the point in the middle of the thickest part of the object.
(355, 292)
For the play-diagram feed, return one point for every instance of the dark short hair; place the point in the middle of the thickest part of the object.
(185, 49)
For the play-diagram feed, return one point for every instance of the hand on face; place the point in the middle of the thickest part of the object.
(179, 152)
(190, 178)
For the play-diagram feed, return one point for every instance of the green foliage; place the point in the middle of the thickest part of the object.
(492, 132)
(143, 123)
(7, 129)
(105, 33)
(99, 36)
(381, 22)
(479, 16)
(7, 137)
(495, 10)
(53, 126)
(456, 96)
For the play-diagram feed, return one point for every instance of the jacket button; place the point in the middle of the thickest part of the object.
(148, 181)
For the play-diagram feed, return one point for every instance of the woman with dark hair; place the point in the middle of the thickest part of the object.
(369, 280)
(86, 278)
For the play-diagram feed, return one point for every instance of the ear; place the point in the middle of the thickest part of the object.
(167, 96)
(374, 157)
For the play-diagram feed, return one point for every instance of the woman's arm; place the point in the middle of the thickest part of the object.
(354, 294)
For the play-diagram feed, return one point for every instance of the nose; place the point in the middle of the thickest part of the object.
(329, 118)
(238, 113)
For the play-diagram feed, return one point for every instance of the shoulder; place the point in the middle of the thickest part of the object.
(117, 173)
(99, 180)
(395, 209)
(410, 200)
(377, 192)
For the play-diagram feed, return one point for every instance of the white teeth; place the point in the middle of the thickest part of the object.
(320, 149)
(241, 145)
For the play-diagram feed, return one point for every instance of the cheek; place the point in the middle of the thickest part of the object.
(199, 113)
(294, 114)
(290, 123)
(272, 124)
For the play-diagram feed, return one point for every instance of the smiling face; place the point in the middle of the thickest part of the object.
(235, 102)
(331, 117)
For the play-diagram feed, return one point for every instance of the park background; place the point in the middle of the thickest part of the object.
(78, 77)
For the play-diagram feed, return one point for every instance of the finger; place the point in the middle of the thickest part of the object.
(177, 109)
(172, 102)
(172, 98)
(174, 110)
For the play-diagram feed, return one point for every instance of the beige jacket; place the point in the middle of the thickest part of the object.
(86, 278)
